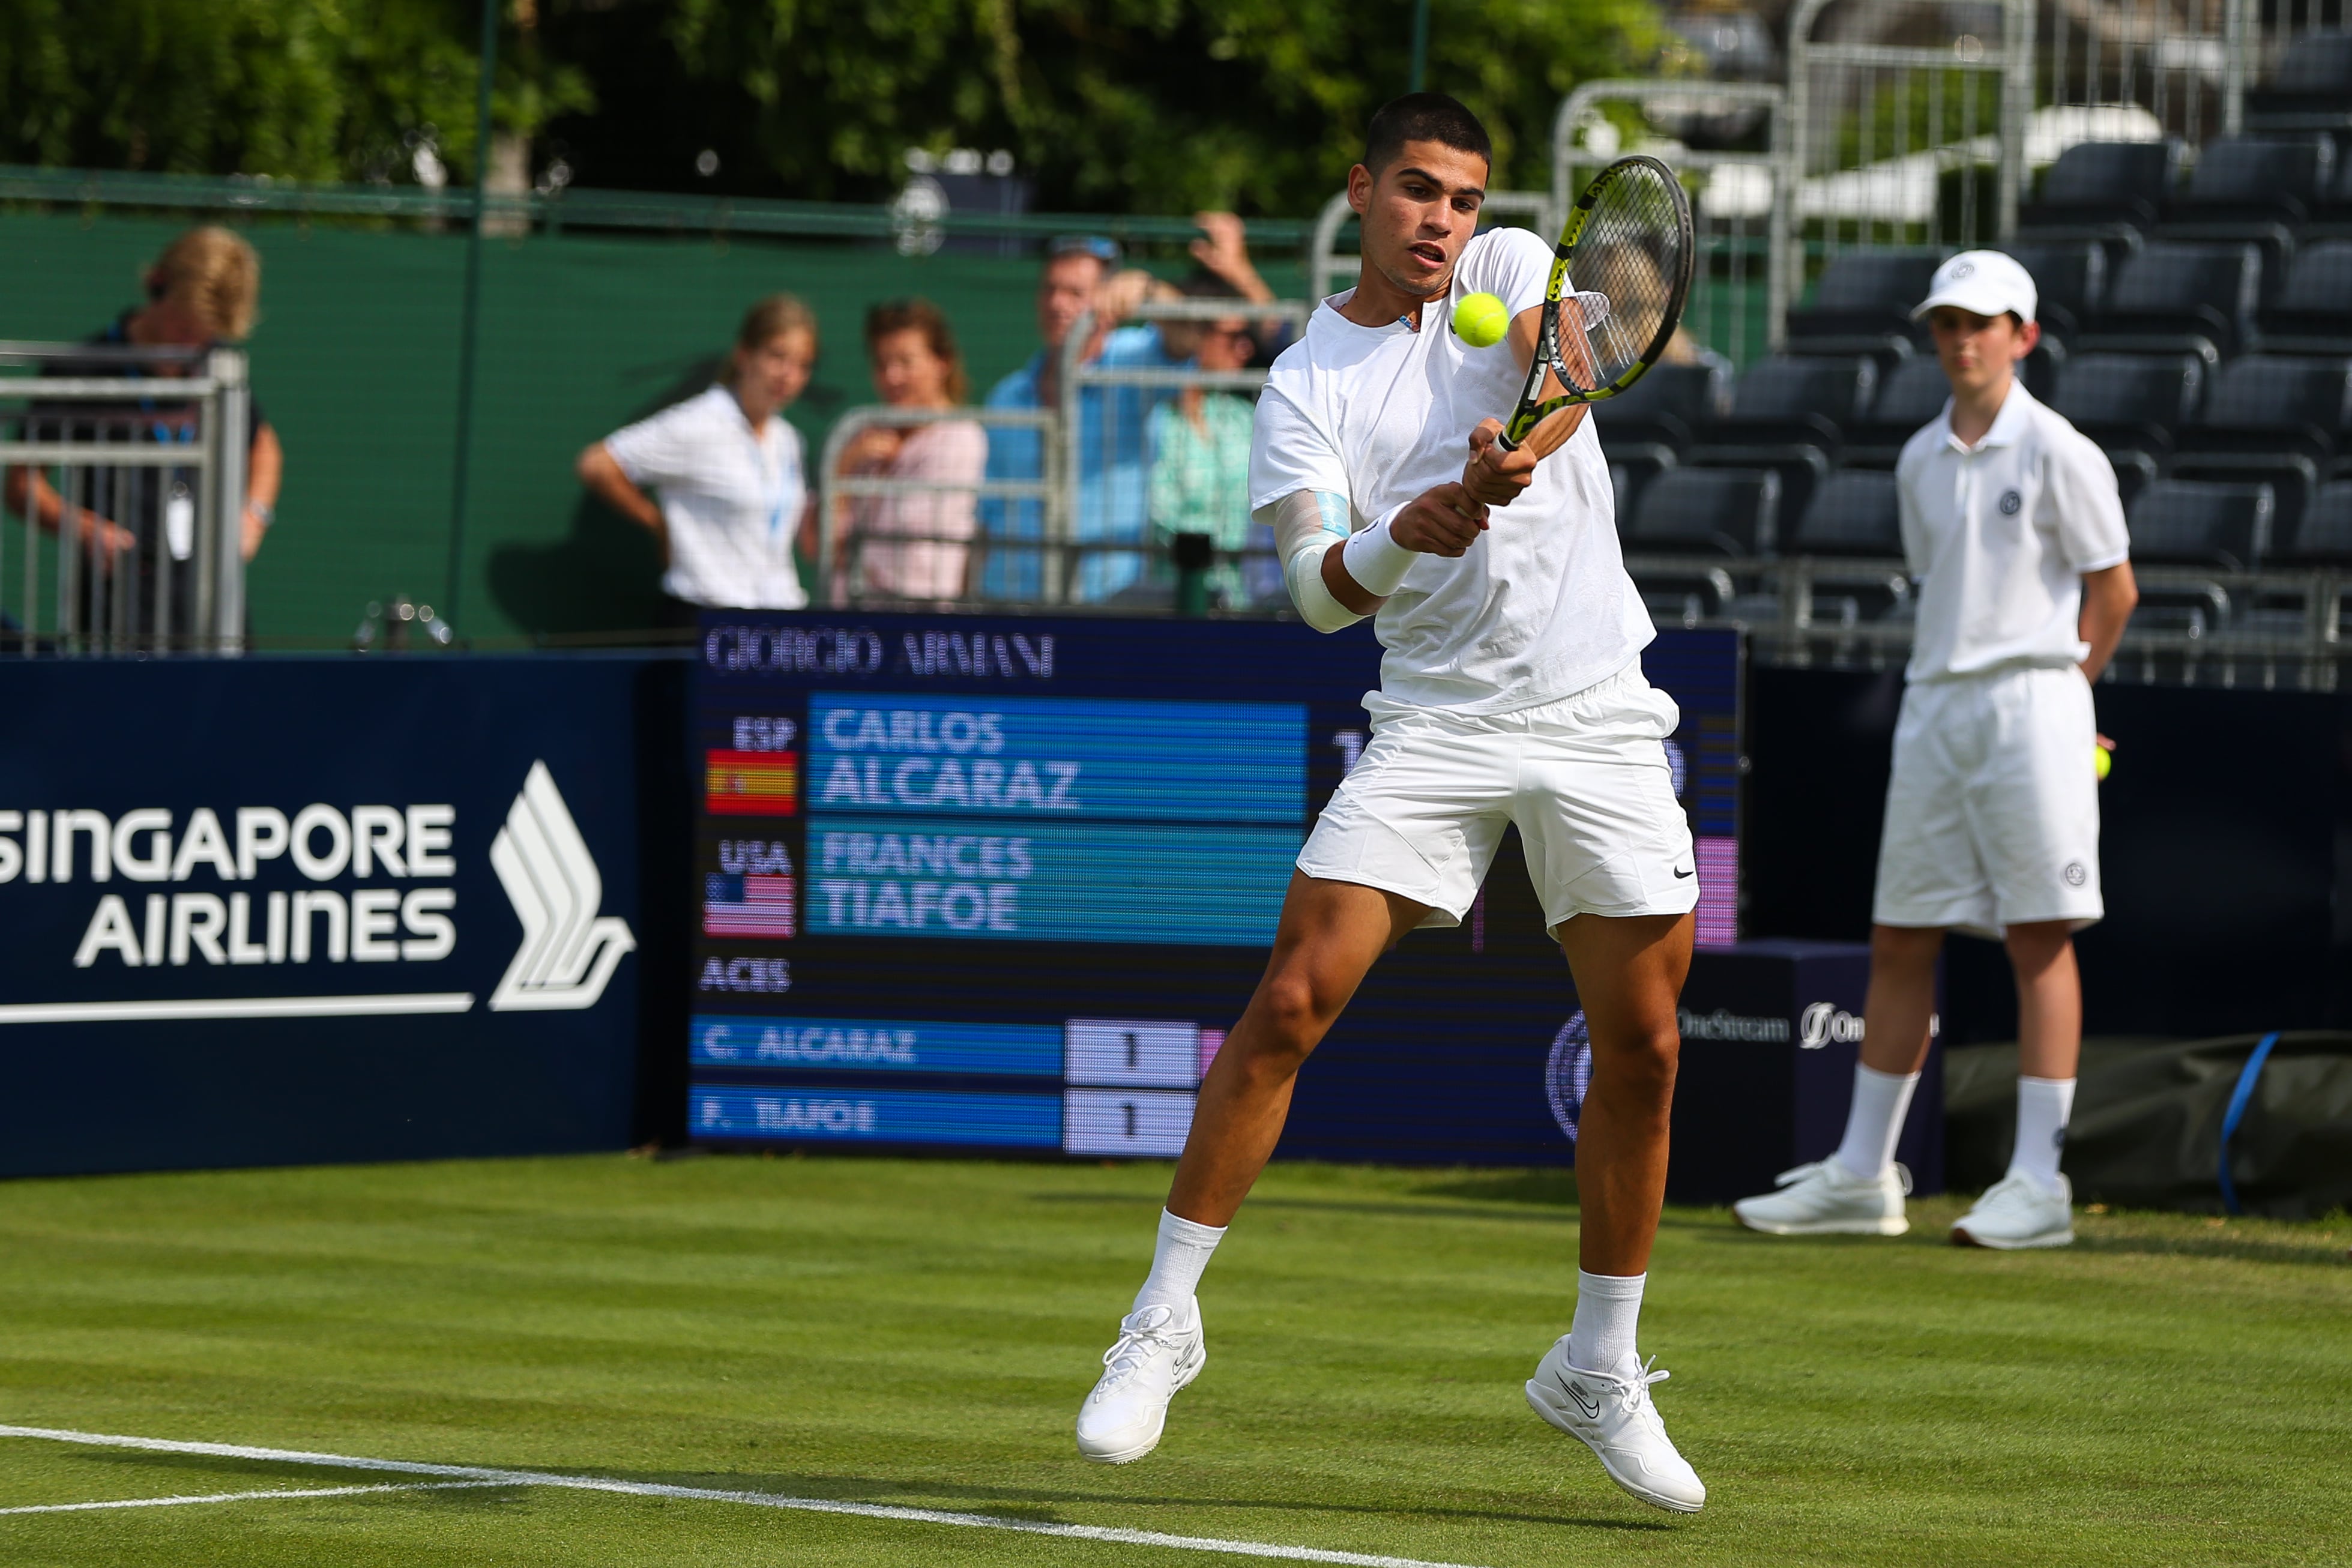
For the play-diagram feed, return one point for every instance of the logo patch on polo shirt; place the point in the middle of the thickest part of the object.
(2009, 501)
(2075, 874)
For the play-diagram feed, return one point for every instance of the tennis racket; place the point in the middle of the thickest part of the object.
(1630, 243)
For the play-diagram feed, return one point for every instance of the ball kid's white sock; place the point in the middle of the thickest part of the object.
(2043, 1104)
(1182, 1252)
(1873, 1123)
(1608, 1310)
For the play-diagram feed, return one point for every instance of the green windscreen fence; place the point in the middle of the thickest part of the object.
(355, 362)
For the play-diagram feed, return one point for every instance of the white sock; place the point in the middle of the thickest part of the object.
(2043, 1104)
(1874, 1123)
(1608, 1309)
(1177, 1261)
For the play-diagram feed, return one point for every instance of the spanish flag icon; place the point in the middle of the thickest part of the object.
(752, 784)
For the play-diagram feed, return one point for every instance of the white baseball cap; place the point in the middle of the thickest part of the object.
(1984, 282)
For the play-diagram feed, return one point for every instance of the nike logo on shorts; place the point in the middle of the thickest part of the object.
(1679, 874)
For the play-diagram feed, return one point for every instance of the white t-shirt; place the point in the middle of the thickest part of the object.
(1540, 606)
(732, 502)
(2000, 538)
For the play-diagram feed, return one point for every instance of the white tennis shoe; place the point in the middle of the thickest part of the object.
(1158, 1353)
(1825, 1198)
(2017, 1211)
(1612, 1415)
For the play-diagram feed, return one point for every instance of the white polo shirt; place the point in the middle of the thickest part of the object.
(2000, 536)
(732, 500)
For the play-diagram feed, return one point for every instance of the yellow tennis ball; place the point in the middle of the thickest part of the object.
(2101, 760)
(1481, 320)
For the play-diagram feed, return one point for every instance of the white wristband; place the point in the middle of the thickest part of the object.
(1376, 561)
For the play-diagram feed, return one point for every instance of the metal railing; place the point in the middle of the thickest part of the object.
(2269, 629)
(1734, 191)
(1061, 515)
(1107, 455)
(143, 472)
(862, 522)
(1880, 119)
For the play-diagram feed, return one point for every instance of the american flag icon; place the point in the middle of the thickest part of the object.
(747, 906)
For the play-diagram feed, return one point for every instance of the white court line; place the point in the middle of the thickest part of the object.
(490, 1476)
(246, 1497)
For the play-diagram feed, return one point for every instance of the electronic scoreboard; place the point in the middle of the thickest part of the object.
(1005, 883)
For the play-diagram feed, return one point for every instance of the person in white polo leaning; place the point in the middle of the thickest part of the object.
(727, 471)
(2013, 528)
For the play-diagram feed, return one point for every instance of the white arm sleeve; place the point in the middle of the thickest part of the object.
(1306, 524)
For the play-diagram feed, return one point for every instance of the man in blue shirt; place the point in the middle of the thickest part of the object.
(1113, 460)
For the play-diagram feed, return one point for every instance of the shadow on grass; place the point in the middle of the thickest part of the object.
(1032, 1505)
(1023, 1505)
(2242, 1249)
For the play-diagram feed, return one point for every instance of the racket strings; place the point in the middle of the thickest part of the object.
(1630, 250)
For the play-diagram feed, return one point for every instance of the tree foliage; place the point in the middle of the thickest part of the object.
(1119, 105)
(309, 89)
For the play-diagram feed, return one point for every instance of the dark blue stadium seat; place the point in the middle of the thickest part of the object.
(2284, 178)
(2131, 404)
(2311, 89)
(2271, 419)
(2173, 297)
(1665, 405)
(1907, 399)
(2070, 276)
(2191, 522)
(2313, 312)
(1863, 295)
(1834, 390)
(2324, 536)
(2105, 181)
(1789, 414)
(1708, 511)
(2131, 393)
(1853, 514)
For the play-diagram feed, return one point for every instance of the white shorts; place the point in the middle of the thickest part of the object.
(1585, 777)
(1992, 815)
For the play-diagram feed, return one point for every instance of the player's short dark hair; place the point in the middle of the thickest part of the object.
(1424, 117)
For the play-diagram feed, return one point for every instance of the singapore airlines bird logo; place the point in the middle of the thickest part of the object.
(569, 951)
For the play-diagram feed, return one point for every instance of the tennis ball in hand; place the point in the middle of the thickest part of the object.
(2102, 760)
(1481, 320)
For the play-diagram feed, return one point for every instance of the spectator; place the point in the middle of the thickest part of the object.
(728, 472)
(1081, 274)
(203, 291)
(916, 545)
(1200, 446)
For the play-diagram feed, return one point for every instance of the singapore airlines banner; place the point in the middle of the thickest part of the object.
(260, 911)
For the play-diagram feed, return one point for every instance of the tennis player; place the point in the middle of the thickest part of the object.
(2011, 524)
(1511, 691)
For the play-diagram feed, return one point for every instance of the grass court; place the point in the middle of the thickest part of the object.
(917, 1334)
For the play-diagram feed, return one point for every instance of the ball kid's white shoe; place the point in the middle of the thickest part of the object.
(2017, 1211)
(1159, 1352)
(1612, 1414)
(1825, 1198)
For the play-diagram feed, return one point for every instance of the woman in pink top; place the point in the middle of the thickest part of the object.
(913, 545)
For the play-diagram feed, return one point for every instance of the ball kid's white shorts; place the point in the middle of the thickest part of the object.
(1585, 777)
(1992, 813)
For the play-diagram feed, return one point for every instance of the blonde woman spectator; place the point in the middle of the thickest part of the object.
(728, 472)
(914, 545)
(1200, 448)
(204, 289)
